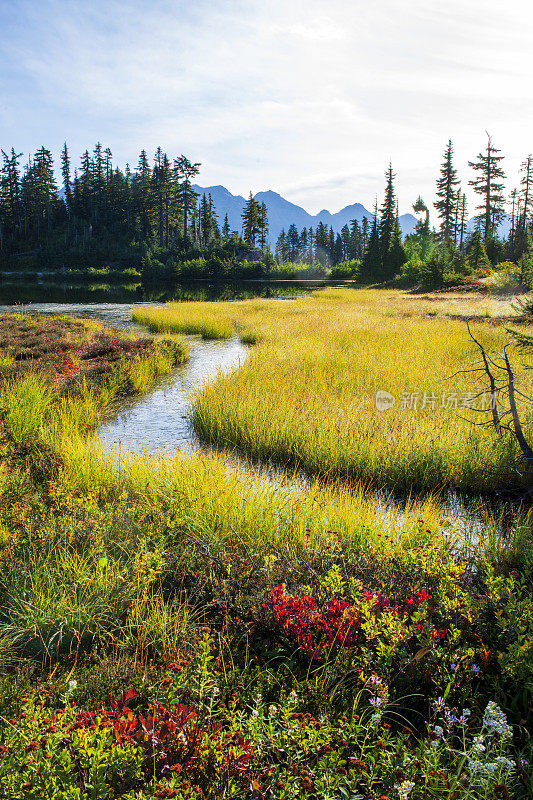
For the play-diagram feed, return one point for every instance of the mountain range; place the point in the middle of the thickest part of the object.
(282, 213)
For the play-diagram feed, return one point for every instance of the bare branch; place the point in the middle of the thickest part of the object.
(495, 417)
(521, 439)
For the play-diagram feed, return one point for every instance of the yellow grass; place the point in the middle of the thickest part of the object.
(306, 395)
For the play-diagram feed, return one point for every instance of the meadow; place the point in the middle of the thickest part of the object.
(177, 627)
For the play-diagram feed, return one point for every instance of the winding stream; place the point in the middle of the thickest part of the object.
(158, 421)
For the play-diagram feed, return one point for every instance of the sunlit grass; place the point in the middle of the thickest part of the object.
(175, 319)
(306, 395)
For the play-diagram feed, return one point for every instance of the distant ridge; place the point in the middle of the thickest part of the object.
(282, 213)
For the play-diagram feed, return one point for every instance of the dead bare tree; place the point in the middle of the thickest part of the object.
(505, 416)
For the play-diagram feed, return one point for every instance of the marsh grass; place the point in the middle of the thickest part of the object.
(306, 396)
(174, 318)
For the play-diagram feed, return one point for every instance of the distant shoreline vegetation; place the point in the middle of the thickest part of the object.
(148, 224)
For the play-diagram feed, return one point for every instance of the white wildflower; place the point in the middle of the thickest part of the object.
(405, 789)
(272, 710)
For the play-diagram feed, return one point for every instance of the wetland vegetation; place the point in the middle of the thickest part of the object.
(171, 626)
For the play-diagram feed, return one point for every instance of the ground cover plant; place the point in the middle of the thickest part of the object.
(66, 350)
(179, 627)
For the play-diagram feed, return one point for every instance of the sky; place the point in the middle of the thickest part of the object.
(305, 97)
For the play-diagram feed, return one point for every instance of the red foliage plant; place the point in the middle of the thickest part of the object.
(337, 623)
(176, 739)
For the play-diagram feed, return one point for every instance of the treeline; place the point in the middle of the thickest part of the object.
(373, 251)
(104, 213)
(150, 218)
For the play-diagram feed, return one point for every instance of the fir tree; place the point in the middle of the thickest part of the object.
(356, 248)
(364, 233)
(422, 226)
(184, 171)
(446, 192)
(489, 185)
(397, 255)
(525, 207)
(11, 189)
(281, 251)
(263, 227)
(226, 231)
(293, 243)
(477, 257)
(250, 220)
(462, 205)
(338, 250)
(388, 215)
(372, 265)
(65, 171)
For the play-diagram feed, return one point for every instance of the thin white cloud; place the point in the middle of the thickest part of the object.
(306, 97)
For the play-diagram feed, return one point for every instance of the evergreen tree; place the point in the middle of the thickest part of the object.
(310, 245)
(364, 234)
(184, 171)
(422, 226)
(208, 225)
(477, 257)
(446, 192)
(11, 190)
(345, 238)
(388, 215)
(39, 189)
(142, 195)
(331, 245)
(304, 246)
(525, 202)
(293, 243)
(65, 171)
(489, 186)
(357, 246)
(250, 221)
(226, 231)
(514, 202)
(263, 227)
(338, 250)
(161, 189)
(372, 264)
(390, 253)
(462, 206)
(397, 255)
(281, 251)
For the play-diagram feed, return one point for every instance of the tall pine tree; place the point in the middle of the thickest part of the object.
(446, 192)
(489, 186)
